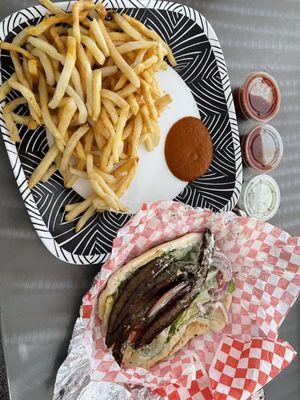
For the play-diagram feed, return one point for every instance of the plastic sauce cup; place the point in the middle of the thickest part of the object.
(262, 148)
(260, 197)
(259, 97)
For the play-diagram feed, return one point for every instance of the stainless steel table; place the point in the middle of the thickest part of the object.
(40, 295)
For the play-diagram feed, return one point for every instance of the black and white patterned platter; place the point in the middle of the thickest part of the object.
(200, 64)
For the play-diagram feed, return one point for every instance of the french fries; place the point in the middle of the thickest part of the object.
(65, 76)
(91, 82)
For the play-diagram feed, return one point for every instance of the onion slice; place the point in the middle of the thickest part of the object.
(224, 311)
(166, 298)
(223, 264)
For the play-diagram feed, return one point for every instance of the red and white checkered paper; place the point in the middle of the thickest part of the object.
(247, 354)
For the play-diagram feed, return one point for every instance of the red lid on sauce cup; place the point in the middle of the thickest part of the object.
(260, 97)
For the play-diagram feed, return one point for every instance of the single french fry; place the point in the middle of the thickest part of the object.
(51, 7)
(126, 27)
(119, 37)
(82, 117)
(127, 180)
(5, 88)
(57, 40)
(149, 100)
(118, 142)
(147, 77)
(146, 117)
(127, 91)
(162, 102)
(26, 73)
(65, 76)
(106, 122)
(106, 153)
(108, 71)
(47, 175)
(16, 49)
(134, 105)
(118, 59)
(79, 209)
(85, 217)
(156, 135)
(69, 207)
(47, 118)
(30, 97)
(125, 167)
(19, 69)
(148, 143)
(128, 129)
(80, 151)
(46, 64)
(93, 48)
(155, 89)
(137, 45)
(98, 35)
(26, 120)
(111, 110)
(33, 71)
(99, 138)
(44, 165)
(137, 131)
(88, 141)
(9, 120)
(68, 110)
(70, 147)
(111, 25)
(47, 23)
(77, 8)
(114, 97)
(76, 83)
(87, 76)
(47, 48)
(160, 54)
(97, 93)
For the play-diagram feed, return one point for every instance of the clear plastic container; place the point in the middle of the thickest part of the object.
(260, 197)
(262, 148)
(259, 97)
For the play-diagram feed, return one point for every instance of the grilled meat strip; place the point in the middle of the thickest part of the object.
(173, 310)
(142, 277)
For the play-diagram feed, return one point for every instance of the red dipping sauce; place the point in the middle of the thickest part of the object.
(259, 97)
(262, 148)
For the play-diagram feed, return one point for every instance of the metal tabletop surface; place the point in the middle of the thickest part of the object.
(40, 295)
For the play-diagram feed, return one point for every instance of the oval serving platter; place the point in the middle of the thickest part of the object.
(201, 66)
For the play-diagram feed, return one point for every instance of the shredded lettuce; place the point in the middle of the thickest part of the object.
(231, 287)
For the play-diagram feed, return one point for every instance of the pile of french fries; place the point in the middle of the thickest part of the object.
(89, 78)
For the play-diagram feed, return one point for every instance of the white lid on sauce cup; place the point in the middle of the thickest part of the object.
(260, 197)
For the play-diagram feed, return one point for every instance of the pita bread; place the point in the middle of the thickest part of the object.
(197, 326)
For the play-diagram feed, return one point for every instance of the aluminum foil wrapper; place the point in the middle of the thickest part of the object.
(73, 378)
